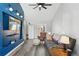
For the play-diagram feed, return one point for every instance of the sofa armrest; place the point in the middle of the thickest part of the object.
(69, 50)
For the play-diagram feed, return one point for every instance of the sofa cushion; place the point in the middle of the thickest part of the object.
(50, 43)
(55, 38)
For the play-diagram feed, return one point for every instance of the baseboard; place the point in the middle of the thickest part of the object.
(12, 52)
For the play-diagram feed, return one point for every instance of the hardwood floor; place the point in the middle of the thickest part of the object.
(28, 49)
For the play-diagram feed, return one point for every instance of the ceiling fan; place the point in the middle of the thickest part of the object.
(40, 5)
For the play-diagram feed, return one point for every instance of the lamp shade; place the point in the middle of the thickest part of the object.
(48, 36)
(64, 40)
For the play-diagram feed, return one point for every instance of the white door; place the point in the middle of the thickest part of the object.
(31, 31)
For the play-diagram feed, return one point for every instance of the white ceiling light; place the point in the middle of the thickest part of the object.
(39, 5)
(11, 9)
(17, 14)
(21, 16)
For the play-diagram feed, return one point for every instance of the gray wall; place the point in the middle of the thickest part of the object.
(66, 21)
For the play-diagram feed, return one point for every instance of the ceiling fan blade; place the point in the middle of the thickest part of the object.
(32, 4)
(44, 7)
(36, 7)
(47, 4)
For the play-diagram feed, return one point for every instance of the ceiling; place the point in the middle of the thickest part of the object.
(35, 16)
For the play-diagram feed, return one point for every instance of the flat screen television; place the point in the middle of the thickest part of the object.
(14, 25)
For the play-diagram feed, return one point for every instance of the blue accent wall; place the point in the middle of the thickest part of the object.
(16, 6)
(4, 18)
(1, 29)
(5, 21)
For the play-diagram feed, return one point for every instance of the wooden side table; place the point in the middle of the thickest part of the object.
(57, 52)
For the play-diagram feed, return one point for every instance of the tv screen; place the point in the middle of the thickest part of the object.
(14, 24)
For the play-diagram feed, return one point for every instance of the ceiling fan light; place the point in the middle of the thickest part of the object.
(39, 5)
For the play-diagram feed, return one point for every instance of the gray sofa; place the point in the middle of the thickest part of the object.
(70, 47)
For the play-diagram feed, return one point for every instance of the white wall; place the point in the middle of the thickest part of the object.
(66, 21)
(25, 29)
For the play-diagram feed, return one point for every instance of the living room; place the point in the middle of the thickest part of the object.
(64, 20)
(39, 29)
(48, 27)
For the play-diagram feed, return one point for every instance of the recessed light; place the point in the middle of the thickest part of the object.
(11, 9)
(21, 16)
(17, 14)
